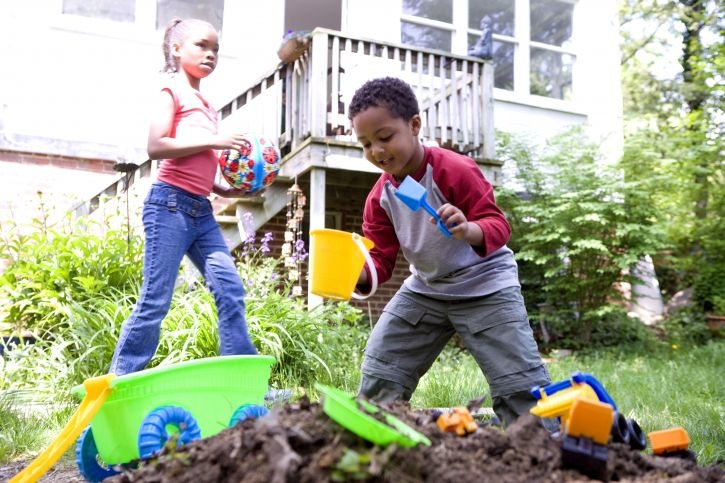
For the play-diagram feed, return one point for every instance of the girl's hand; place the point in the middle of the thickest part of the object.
(460, 228)
(230, 192)
(228, 141)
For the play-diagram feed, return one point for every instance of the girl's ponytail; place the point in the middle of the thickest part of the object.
(171, 35)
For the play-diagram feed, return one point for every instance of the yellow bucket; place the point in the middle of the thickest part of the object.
(336, 259)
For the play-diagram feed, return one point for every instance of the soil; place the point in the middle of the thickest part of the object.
(298, 443)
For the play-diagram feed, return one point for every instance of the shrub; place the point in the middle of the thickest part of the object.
(607, 326)
(59, 264)
(578, 228)
(686, 327)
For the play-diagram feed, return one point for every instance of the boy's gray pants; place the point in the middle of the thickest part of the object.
(414, 329)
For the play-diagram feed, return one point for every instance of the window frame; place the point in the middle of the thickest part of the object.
(522, 45)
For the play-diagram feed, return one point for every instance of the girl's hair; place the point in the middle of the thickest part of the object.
(177, 31)
(389, 92)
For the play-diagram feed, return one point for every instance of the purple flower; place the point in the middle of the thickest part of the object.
(300, 253)
(265, 242)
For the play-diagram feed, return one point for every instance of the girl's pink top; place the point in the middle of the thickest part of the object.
(194, 117)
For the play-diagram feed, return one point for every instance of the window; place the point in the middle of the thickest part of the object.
(499, 16)
(142, 12)
(427, 24)
(551, 58)
(532, 39)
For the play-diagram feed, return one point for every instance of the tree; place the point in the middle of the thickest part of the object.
(674, 124)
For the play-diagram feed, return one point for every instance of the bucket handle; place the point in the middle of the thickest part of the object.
(369, 260)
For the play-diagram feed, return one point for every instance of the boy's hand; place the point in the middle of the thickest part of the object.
(458, 225)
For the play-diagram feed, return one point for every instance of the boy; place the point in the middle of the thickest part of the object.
(467, 283)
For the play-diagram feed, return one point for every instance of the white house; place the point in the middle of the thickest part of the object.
(78, 78)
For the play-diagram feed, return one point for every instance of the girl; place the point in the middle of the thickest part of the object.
(177, 215)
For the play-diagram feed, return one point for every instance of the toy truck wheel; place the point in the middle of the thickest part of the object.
(247, 411)
(154, 431)
(89, 464)
(637, 438)
(620, 429)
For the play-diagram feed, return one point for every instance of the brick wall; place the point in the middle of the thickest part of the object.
(40, 186)
(27, 178)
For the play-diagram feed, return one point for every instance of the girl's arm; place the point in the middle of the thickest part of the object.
(162, 146)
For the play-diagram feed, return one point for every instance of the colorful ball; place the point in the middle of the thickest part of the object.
(254, 166)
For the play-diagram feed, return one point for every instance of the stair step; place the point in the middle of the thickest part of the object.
(226, 219)
(256, 200)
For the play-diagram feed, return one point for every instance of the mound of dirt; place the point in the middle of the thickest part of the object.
(299, 443)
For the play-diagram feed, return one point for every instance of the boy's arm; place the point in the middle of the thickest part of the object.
(378, 228)
(468, 190)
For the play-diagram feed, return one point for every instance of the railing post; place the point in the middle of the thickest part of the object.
(318, 88)
(487, 124)
(317, 221)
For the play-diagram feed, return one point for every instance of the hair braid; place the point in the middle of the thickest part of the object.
(171, 35)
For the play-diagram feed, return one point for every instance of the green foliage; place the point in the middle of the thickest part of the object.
(709, 285)
(58, 264)
(578, 227)
(685, 328)
(607, 326)
(674, 140)
(14, 437)
(686, 186)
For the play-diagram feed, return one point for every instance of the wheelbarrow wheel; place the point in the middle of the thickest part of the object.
(154, 431)
(89, 463)
(247, 411)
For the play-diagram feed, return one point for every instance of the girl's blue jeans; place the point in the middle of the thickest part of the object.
(177, 223)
